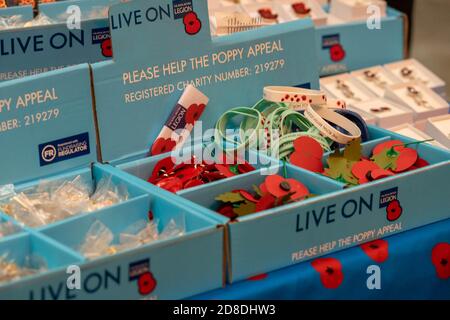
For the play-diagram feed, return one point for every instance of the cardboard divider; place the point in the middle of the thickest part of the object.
(143, 168)
(18, 247)
(18, 229)
(117, 275)
(430, 153)
(315, 185)
(90, 177)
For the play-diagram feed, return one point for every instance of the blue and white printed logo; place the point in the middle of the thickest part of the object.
(138, 268)
(181, 7)
(64, 149)
(330, 40)
(387, 196)
(100, 34)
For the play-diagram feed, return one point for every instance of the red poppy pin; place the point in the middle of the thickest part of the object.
(192, 24)
(266, 13)
(194, 112)
(337, 53)
(394, 210)
(107, 48)
(162, 145)
(440, 257)
(308, 154)
(146, 283)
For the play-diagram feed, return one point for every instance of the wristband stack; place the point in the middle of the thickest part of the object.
(282, 116)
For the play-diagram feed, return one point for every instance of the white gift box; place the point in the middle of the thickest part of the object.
(421, 124)
(423, 101)
(412, 132)
(344, 87)
(439, 129)
(254, 10)
(333, 20)
(218, 9)
(376, 79)
(367, 117)
(412, 70)
(387, 113)
(246, 2)
(317, 14)
(353, 10)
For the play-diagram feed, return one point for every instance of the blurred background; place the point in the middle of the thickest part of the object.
(429, 36)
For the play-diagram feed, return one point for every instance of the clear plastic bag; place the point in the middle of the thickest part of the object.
(107, 194)
(7, 228)
(99, 239)
(39, 20)
(52, 201)
(10, 271)
(11, 22)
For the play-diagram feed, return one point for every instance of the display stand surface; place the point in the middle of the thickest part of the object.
(407, 273)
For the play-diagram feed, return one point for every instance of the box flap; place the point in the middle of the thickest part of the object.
(33, 50)
(46, 124)
(25, 11)
(155, 57)
(89, 9)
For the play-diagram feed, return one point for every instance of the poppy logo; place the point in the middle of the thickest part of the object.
(48, 153)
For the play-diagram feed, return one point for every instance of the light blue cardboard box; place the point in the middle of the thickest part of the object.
(48, 133)
(33, 50)
(26, 12)
(360, 47)
(338, 218)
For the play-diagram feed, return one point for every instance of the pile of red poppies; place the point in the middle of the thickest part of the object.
(275, 191)
(175, 177)
(351, 167)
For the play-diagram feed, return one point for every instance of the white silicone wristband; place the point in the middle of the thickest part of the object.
(317, 115)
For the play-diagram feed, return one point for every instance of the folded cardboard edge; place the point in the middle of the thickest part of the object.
(94, 110)
(405, 35)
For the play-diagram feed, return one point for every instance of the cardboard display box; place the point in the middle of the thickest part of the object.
(49, 129)
(31, 50)
(134, 96)
(336, 219)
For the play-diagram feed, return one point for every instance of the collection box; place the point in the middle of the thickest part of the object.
(140, 87)
(348, 46)
(356, 10)
(343, 44)
(137, 91)
(54, 127)
(31, 50)
(337, 218)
